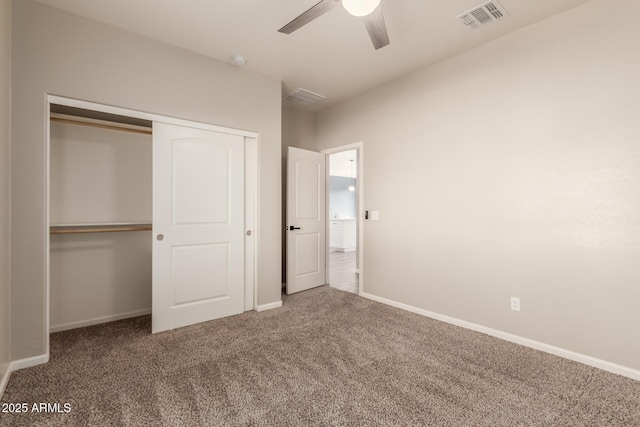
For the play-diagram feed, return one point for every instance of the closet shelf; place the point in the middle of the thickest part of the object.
(101, 124)
(98, 228)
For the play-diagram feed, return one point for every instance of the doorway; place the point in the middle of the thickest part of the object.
(343, 195)
(310, 216)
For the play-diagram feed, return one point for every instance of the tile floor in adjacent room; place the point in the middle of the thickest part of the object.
(342, 271)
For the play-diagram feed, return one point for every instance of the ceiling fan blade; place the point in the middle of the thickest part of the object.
(319, 9)
(377, 28)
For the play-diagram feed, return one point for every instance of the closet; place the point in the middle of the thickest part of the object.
(100, 208)
(148, 214)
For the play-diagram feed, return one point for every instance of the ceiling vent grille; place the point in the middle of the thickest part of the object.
(484, 14)
(305, 97)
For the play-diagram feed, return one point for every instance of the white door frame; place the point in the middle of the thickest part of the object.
(359, 147)
(252, 185)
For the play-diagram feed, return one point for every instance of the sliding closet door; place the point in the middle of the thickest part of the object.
(198, 225)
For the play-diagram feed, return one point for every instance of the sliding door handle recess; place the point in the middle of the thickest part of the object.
(292, 227)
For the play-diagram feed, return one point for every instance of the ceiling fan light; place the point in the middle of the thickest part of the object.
(360, 7)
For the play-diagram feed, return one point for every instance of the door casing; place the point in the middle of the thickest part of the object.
(359, 147)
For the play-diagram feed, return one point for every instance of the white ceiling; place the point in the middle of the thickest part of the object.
(332, 55)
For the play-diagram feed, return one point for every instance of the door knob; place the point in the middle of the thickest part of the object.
(292, 227)
(160, 237)
(248, 232)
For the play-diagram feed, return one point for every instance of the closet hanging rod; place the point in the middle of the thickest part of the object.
(101, 125)
(78, 229)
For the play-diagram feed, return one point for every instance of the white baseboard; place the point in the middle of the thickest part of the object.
(4, 379)
(337, 249)
(547, 348)
(98, 320)
(270, 306)
(29, 362)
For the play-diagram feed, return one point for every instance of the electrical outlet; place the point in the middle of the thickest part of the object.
(515, 303)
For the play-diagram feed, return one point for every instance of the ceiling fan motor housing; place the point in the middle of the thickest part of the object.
(360, 7)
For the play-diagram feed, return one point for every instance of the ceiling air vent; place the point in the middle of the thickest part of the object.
(484, 14)
(305, 97)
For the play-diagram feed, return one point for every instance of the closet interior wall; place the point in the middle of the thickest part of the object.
(100, 217)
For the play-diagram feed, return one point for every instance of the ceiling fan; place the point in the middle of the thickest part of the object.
(369, 10)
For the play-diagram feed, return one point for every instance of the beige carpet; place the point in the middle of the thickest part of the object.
(326, 358)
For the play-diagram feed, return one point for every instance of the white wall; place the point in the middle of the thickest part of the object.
(59, 53)
(342, 202)
(99, 175)
(99, 277)
(512, 170)
(5, 190)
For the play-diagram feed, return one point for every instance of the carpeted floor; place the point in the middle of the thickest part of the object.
(326, 357)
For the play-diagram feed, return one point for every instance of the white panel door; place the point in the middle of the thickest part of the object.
(306, 246)
(198, 225)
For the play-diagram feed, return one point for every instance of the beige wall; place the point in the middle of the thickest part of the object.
(59, 53)
(512, 170)
(297, 129)
(5, 188)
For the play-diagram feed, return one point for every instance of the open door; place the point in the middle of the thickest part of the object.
(198, 225)
(306, 213)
